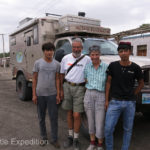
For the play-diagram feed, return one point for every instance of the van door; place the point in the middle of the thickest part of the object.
(33, 48)
(28, 49)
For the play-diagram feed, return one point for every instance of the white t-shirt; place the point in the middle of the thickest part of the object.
(76, 74)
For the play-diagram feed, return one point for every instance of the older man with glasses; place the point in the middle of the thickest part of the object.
(94, 100)
(73, 90)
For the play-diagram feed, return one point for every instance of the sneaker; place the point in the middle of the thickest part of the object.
(68, 142)
(55, 144)
(99, 148)
(76, 144)
(43, 142)
(91, 147)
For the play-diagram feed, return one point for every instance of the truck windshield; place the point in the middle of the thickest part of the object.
(107, 47)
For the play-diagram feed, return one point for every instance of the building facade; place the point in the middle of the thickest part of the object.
(140, 43)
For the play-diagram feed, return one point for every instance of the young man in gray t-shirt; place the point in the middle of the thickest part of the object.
(45, 88)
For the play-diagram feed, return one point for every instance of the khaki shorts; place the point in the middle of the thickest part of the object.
(73, 97)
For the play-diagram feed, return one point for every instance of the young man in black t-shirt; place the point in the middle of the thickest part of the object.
(120, 89)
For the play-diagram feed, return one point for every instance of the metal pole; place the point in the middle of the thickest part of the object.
(4, 60)
(3, 46)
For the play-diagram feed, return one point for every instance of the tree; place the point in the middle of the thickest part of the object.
(145, 26)
(6, 55)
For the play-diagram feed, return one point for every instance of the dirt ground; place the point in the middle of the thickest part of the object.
(19, 123)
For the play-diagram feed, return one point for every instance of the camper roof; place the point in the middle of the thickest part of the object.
(31, 22)
(70, 24)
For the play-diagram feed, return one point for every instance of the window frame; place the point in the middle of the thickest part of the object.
(28, 43)
(35, 36)
(13, 41)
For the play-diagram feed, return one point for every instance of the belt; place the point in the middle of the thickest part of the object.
(76, 84)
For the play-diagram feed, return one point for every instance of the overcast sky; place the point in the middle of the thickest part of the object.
(119, 15)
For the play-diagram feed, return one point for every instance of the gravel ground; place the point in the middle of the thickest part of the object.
(20, 130)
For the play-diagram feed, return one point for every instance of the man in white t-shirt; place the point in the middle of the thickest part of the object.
(73, 91)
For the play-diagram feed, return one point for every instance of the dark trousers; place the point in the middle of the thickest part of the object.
(43, 103)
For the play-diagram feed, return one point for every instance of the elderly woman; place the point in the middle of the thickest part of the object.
(94, 100)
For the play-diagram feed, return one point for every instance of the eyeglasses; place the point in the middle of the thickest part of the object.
(94, 47)
(77, 47)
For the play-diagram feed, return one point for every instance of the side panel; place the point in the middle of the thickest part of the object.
(24, 50)
(41, 33)
(33, 50)
(26, 46)
(17, 52)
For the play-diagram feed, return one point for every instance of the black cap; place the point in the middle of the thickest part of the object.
(124, 45)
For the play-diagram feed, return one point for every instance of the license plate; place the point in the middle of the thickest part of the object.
(145, 98)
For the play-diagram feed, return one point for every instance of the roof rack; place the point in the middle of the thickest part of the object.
(49, 14)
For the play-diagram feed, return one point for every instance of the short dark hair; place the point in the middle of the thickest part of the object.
(94, 48)
(48, 46)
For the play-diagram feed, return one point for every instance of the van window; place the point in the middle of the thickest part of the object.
(35, 35)
(107, 47)
(28, 41)
(13, 41)
(63, 47)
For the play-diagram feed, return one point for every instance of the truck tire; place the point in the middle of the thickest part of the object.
(24, 92)
(146, 115)
(84, 126)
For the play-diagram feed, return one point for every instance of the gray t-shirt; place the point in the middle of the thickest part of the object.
(46, 82)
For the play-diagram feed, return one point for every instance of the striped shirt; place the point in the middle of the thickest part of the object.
(96, 78)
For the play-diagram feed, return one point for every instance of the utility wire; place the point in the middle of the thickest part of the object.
(35, 5)
(49, 4)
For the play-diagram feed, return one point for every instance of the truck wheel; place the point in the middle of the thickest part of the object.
(24, 92)
(84, 126)
(146, 115)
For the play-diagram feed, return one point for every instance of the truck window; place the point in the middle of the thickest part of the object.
(64, 44)
(13, 41)
(63, 47)
(35, 35)
(28, 41)
(107, 47)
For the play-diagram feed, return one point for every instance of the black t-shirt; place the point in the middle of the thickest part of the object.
(123, 80)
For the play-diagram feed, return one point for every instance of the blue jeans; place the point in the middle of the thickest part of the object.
(115, 109)
(44, 103)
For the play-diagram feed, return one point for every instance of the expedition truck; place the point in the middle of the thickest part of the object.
(26, 42)
(27, 39)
